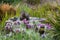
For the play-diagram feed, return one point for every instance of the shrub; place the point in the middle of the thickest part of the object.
(6, 10)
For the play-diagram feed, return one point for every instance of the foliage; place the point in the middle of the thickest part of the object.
(33, 2)
(42, 12)
(9, 1)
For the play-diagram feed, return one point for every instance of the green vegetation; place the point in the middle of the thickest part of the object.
(42, 12)
(33, 2)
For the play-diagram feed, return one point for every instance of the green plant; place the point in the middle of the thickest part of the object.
(33, 2)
